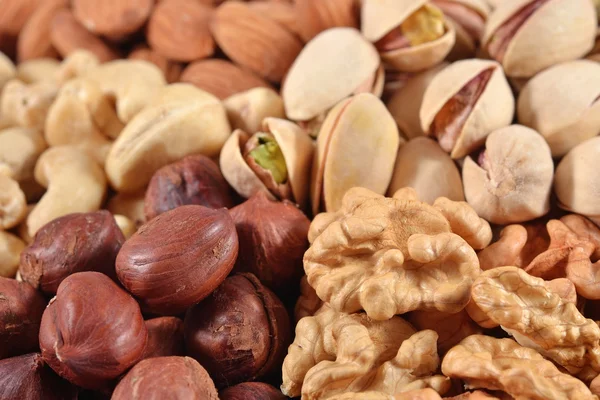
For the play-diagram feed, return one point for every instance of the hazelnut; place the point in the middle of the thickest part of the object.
(178, 258)
(196, 179)
(165, 337)
(92, 331)
(27, 377)
(239, 333)
(21, 309)
(166, 378)
(251, 391)
(273, 239)
(69, 244)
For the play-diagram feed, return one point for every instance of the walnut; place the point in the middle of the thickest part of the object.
(465, 222)
(390, 256)
(308, 303)
(502, 364)
(537, 317)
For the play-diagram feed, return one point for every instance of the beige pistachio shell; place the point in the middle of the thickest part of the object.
(563, 104)
(423, 165)
(494, 108)
(558, 31)
(465, 45)
(379, 17)
(577, 182)
(514, 181)
(404, 105)
(297, 149)
(330, 68)
(357, 146)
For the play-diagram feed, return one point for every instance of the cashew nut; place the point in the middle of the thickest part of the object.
(19, 151)
(13, 205)
(10, 251)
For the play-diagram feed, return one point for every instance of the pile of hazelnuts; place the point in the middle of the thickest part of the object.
(193, 305)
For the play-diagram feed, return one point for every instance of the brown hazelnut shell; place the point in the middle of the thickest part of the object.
(92, 331)
(73, 243)
(21, 309)
(166, 378)
(27, 377)
(240, 333)
(165, 337)
(178, 258)
(251, 391)
(273, 238)
(196, 179)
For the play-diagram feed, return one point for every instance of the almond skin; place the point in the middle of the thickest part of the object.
(254, 41)
(178, 30)
(34, 39)
(220, 77)
(315, 16)
(13, 16)
(112, 18)
(171, 69)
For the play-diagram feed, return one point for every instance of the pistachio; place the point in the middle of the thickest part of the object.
(464, 103)
(527, 36)
(562, 103)
(411, 35)
(248, 109)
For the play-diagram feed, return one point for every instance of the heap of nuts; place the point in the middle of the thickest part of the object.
(410, 183)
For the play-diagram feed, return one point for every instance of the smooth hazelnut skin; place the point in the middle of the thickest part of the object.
(27, 377)
(92, 331)
(165, 337)
(178, 258)
(273, 238)
(251, 391)
(162, 378)
(239, 333)
(74, 243)
(21, 309)
(196, 179)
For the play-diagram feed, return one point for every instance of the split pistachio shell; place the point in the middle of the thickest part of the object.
(513, 179)
(357, 146)
(557, 31)
(405, 104)
(247, 110)
(466, 102)
(297, 149)
(424, 166)
(577, 182)
(330, 68)
(563, 104)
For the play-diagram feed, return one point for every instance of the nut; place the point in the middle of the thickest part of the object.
(13, 206)
(130, 205)
(127, 226)
(42, 69)
(166, 377)
(512, 180)
(34, 38)
(27, 105)
(73, 243)
(315, 16)
(178, 30)
(562, 104)
(28, 377)
(464, 103)
(11, 247)
(283, 12)
(195, 179)
(19, 151)
(170, 69)
(240, 332)
(220, 78)
(165, 337)
(320, 76)
(353, 155)
(163, 133)
(14, 15)
(423, 165)
(251, 391)
(308, 303)
(411, 35)
(7, 70)
(247, 110)
(527, 36)
(272, 241)
(254, 41)
(275, 161)
(21, 311)
(202, 245)
(114, 19)
(106, 337)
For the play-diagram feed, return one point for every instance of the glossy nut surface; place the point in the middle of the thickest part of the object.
(165, 337)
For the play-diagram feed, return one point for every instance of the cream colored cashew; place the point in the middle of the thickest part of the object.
(126, 225)
(27, 105)
(129, 205)
(7, 70)
(19, 151)
(247, 110)
(13, 205)
(75, 65)
(75, 182)
(10, 251)
(38, 70)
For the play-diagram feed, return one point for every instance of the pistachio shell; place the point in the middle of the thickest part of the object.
(329, 68)
(558, 31)
(492, 110)
(379, 17)
(562, 103)
(357, 146)
(424, 166)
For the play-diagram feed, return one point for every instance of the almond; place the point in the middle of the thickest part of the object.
(34, 39)
(171, 69)
(315, 16)
(112, 18)
(13, 15)
(254, 41)
(68, 35)
(220, 77)
(178, 30)
(281, 12)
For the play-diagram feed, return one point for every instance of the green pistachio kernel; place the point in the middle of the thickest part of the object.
(269, 156)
